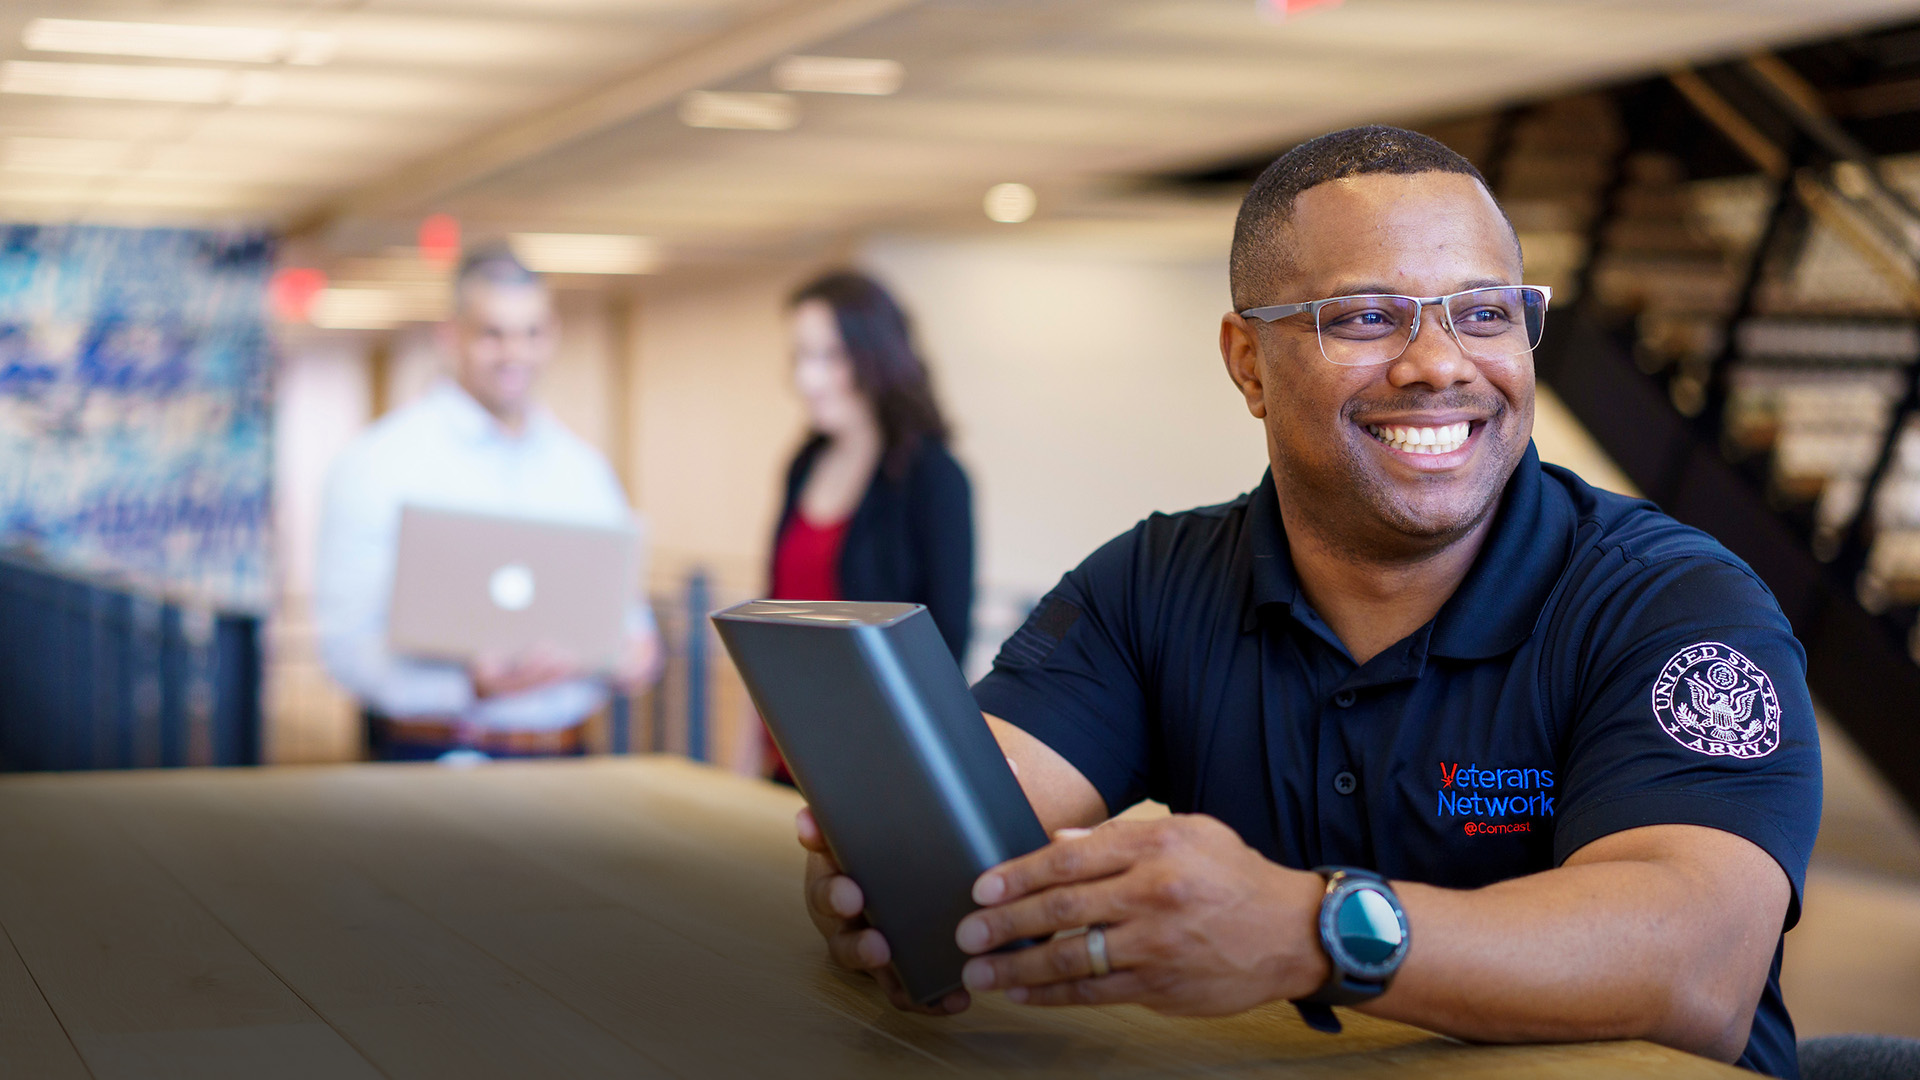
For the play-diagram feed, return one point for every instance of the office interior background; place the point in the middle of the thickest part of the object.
(1722, 193)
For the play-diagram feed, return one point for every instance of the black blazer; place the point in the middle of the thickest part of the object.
(910, 540)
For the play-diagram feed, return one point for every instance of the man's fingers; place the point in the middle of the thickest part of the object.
(1096, 854)
(860, 950)
(1067, 907)
(835, 895)
(809, 832)
(1119, 986)
(1065, 959)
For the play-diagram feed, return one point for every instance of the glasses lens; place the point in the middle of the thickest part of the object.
(1498, 321)
(1360, 330)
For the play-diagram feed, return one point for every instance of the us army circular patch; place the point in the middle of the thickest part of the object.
(1715, 701)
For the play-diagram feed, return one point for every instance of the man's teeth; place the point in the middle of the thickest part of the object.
(1422, 440)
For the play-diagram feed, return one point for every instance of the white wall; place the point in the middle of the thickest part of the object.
(1087, 391)
(714, 421)
(320, 402)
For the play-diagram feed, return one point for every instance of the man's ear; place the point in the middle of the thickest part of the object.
(1241, 351)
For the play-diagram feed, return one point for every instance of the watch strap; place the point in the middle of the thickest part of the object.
(1341, 988)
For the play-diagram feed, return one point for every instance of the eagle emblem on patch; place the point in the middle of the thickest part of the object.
(1715, 701)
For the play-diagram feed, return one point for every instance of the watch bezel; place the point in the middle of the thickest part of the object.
(1339, 893)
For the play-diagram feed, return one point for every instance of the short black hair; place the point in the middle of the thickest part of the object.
(1258, 250)
(494, 264)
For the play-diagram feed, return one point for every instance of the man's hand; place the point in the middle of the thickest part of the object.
(835, 903)
(494, 675)
(1198, 923)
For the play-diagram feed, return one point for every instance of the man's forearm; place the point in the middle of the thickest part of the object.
(1600, 950)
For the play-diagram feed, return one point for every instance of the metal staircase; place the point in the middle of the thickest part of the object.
(1745, 339)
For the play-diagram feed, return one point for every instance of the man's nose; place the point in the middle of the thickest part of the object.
(1434, 357)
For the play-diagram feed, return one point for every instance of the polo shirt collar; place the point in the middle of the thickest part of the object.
(1505, 592)
(1495, 608)
(1269, 558)
(470, 420)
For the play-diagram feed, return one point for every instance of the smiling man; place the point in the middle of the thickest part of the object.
(477, 442)
(1450, 736)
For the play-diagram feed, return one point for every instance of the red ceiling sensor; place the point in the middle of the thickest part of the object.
(1284, 8)
(292, 291)
(439, 239)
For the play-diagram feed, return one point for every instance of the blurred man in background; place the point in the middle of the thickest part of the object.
(477, 442)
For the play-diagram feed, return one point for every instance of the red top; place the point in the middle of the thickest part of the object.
(806, 561)
(806, 566)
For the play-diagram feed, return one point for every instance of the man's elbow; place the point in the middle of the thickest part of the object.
(1713, 1021)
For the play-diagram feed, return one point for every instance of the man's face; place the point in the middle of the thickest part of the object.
(502, 339)
(1427, 234)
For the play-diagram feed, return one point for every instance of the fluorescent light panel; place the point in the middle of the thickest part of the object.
(126, 82)
(34, 154)
(743, 112)
(587, 253)
(838, 75)
(178, 41)
(356, 309)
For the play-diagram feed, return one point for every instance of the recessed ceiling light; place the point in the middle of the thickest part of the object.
(587, 253)
(838, 75)
(177, 41)
(1010, 204)
(126, 82)
(746, 112)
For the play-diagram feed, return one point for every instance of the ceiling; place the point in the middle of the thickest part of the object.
(347, 121)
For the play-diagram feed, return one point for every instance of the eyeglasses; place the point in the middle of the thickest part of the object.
(1490, 323)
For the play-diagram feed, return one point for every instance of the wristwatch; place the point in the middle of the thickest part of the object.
(1364, 932)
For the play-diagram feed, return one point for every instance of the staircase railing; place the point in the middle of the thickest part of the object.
(94, 676)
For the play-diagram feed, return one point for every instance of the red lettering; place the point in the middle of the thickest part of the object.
(1447, 775)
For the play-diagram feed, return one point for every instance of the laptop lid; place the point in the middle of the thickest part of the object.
(468, 584)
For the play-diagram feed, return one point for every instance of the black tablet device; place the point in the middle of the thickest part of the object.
(885, 741)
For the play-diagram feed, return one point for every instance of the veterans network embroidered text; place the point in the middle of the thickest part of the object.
(1471, 791)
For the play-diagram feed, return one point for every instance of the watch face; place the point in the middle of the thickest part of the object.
(1368, 929)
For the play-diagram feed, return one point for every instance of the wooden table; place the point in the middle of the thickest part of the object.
(623, 917)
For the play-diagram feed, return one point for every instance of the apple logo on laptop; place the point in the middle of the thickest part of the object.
(511, 587)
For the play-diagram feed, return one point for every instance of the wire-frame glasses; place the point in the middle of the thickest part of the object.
(1491, 323)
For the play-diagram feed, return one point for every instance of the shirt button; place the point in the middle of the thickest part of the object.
(1345, 699)
(1345, 782)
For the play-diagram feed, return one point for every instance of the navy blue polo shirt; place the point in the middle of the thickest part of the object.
(1601, 667)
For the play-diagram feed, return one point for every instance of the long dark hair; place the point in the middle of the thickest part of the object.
(886, 367)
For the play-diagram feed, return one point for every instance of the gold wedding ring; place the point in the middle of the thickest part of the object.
(1097, 951)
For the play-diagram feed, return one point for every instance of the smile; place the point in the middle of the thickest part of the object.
(1444, 439)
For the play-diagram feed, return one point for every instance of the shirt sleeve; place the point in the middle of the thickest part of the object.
(1071, 676)
(353, 579)
(943, 527)
(1694, 710)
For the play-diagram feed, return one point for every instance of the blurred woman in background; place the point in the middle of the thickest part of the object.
(876, 508)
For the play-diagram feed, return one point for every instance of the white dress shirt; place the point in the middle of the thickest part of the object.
(447, 452)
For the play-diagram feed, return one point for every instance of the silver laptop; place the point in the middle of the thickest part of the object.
(471, 584)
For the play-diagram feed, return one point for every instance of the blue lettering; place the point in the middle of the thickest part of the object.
(1531, 787)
